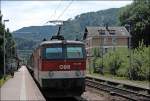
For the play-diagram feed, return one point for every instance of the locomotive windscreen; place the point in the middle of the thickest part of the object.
(64, 52)
(54, 51)
(74, 52)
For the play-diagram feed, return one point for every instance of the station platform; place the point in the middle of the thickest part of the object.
(21, 87)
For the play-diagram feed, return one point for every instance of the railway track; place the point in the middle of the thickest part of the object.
(118, 91)
(66, 99)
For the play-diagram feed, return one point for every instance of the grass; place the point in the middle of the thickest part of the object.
(2, 81)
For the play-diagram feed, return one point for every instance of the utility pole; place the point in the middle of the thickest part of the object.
(102, 44)
(129, 43)
(101, 47)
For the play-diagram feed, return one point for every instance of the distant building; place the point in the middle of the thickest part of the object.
(105, 38)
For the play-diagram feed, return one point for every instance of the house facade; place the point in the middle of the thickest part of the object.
(104, 38)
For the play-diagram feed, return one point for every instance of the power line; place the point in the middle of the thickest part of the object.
(56, 9)
(65, 9)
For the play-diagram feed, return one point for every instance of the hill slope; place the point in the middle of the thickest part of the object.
(35, 33)
(72, 29)
(75, 28)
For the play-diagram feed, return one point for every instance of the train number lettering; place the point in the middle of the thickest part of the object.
(64, 67)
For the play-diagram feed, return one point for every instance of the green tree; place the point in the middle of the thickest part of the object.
(9, 46)
(138, 16)
(1, 45)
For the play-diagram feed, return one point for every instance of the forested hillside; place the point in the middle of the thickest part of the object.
(28, 37)
(25, 44)
(75, 28)
(35, 33)
(72, 29)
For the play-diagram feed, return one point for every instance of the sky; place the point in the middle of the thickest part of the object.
(37, 13)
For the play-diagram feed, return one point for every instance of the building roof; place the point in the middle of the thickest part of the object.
(110, 31)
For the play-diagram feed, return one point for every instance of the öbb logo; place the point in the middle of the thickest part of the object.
(64, 67)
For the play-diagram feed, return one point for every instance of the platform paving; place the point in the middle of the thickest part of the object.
(21, 87)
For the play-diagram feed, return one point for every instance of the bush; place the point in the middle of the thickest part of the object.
(99, 65)
(97, 61)
(114, 61)
(140, 63)
(118, 63)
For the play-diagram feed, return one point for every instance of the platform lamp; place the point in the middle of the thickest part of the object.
(4, 48)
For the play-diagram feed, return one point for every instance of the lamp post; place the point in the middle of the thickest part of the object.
(4, 49)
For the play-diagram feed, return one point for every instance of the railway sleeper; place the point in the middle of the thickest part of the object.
(132, 95)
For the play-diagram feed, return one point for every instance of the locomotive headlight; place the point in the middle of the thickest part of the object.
(78, 73)
(51, 74)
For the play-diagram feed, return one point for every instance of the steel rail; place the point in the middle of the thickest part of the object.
(131, 95)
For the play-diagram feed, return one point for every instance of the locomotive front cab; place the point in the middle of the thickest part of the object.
(63, 68)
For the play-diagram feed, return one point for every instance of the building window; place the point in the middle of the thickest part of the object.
(105, 40)
(112, 32)
(113, 40)
(102, 32)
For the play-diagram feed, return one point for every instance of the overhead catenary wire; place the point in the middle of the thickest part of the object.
(53, 21)
(53, 15)
(65, 9)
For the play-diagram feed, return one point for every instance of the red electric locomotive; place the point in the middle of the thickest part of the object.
(59, 67)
